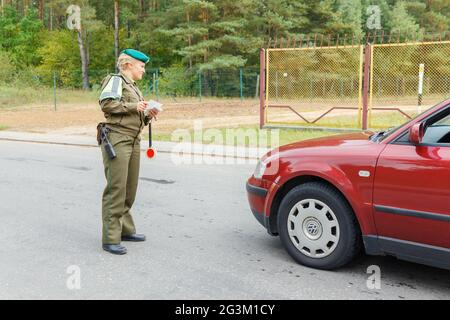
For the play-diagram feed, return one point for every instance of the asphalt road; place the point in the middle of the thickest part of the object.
(203, 242)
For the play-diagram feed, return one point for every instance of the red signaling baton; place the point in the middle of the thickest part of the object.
(156, 105)
(150, 151)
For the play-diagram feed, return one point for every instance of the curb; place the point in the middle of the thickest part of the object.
(183, 149)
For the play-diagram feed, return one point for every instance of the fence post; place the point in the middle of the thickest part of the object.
(54, 88)
(200, 85)
(153, 82)
(420, 87)
(241, 83)
(257, 87)
(150, 85)
(367, 61)
(157, 84)
(276, 85)
(262, 87)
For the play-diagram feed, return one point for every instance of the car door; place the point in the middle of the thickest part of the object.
(412, 188)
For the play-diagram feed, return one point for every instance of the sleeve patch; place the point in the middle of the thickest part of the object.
(113, 89)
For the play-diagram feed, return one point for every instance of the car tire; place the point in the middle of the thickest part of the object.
(317, 227)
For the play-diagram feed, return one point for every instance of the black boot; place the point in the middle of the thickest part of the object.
(115, 248)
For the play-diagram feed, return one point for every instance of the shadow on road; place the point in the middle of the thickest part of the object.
(394, 272)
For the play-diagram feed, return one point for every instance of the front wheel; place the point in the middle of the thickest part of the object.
(317, 227)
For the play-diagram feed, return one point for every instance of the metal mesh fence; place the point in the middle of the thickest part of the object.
(181, 83)
(407, 79)
(225, 84)
(54, 86)
(354, 87)
(304, 83)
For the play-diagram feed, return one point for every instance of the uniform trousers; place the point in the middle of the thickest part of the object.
(122, 175)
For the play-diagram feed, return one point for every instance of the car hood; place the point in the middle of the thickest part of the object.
(335, 141)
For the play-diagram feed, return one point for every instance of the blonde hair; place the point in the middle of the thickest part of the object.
(123, 60)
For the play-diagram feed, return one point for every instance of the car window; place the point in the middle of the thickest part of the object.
(443, 122)
(437, 130)
(394, 129)
(437, 134)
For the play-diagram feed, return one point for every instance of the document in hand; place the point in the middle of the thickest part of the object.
(153, 105)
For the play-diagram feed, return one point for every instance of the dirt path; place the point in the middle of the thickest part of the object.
(214, 113)
(75, 119)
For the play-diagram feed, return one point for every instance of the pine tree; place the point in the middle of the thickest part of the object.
(350, 13)
(402, 22)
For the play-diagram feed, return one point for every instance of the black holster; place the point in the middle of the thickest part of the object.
(102, 137)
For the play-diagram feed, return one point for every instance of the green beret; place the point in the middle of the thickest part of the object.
(137, 55)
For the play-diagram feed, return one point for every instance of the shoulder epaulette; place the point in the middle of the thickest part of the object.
(113, 90)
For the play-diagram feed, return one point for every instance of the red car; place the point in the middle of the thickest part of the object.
(387, 193)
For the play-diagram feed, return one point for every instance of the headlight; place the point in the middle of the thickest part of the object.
(270, 162)
(259, 170)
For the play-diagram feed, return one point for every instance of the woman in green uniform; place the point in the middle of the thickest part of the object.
(123, 105)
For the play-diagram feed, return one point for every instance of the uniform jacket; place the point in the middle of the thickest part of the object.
(119, 105)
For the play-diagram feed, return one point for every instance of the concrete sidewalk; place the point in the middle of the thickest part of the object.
(159, 146)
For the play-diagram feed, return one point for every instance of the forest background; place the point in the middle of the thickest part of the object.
(218, 39)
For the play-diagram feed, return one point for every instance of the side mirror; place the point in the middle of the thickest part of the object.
(416, 133)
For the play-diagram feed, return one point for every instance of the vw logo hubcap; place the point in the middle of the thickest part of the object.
(312, 228)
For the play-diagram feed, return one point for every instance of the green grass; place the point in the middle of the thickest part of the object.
(264, 137)
(378, 121)
(388, 120)
(3, 127)
(11, 97)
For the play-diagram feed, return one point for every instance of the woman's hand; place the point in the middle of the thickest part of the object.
(152, 113)
(142, 105)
